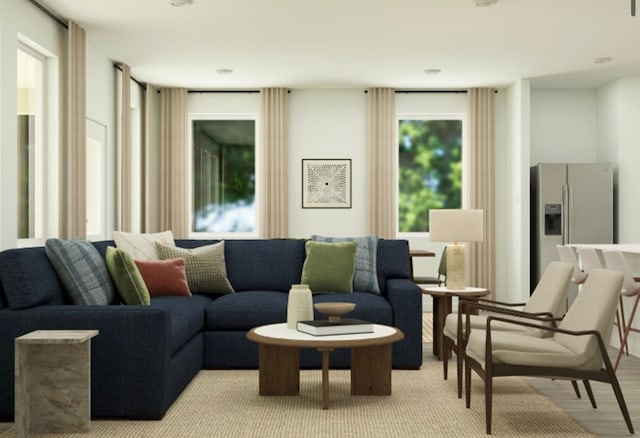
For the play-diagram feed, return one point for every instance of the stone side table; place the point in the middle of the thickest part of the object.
(53, 381)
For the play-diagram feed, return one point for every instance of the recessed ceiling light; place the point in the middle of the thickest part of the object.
(484, 3)
(602, 60)
(432, 71)
(179, 3)
(224, 71)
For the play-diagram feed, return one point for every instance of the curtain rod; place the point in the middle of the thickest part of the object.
(223, 91)
(119, 67)
(430, 91)
(50, 14)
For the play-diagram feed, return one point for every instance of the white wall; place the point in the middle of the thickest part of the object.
(19, 17)
(100, 107)
(564, 126)
(325, 124)
(619, 131)
(516, 227)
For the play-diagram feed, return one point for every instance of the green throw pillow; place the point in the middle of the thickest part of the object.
(365, 276)
(206, 267)
(127, 278)
(329, 267)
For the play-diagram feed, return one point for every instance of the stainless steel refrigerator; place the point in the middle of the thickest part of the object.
(570, 203)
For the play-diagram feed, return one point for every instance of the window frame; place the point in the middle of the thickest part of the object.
(225, 116)
(462, 117)
(48, 202)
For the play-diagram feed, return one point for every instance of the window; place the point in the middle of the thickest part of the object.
(96, 179)
(224, 176)
(31, 145)
(430, 169)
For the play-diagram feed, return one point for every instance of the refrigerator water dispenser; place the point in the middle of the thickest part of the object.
(553, 219)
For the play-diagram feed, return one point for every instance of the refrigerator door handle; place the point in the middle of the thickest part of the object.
(566, 207)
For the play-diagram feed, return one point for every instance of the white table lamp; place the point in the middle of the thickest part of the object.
(455, 226)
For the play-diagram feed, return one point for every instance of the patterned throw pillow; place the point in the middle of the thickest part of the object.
(164, 277)
(82, 271)
(329, 267)
(365, 277)
(127, 277)
(142, 246)
(205, 265)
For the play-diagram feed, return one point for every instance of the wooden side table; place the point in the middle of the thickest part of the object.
(442, 303)
(53, 381)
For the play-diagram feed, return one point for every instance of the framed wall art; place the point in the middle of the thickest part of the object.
(326, 183)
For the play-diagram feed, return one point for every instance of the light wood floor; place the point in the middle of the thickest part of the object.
(606, 421)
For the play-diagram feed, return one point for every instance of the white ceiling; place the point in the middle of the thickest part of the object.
(363, 43)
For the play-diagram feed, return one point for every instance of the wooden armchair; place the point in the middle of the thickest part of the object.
(545, 305)
(575, 351)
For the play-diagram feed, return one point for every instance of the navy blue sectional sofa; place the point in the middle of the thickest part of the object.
(145, 356)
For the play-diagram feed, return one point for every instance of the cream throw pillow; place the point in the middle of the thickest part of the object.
(142, 246)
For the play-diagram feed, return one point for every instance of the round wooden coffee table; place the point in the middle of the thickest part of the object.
(280, 359)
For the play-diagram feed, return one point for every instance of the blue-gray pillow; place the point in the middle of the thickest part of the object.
(82, 271)
(365, 277)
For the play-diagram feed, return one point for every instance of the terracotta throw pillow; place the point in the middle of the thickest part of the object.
(164, 277)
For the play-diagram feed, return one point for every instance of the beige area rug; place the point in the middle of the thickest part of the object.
(226, 404)
(427, 327)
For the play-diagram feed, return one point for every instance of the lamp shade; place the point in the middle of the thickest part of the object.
(456, 225)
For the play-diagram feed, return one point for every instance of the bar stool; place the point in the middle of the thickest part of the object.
(568, 256)
(616, 261)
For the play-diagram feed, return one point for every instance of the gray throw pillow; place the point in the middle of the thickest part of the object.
(365, 277)
(82, 271)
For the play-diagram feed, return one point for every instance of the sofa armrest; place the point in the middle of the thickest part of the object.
(129, 357)
(406, 299)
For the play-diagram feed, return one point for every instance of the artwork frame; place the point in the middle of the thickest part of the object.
(326, 183)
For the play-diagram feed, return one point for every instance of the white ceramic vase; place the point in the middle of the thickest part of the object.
(299, 305)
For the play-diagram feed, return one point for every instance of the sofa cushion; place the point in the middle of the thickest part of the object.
(205, 265)
(393, 261)
(81, 270)
(126, 276)
(365, 276)
(270, 264)
(164, 277)
(28, 278)
(329, 267)
(186, 316)
(142, 246)
(245, 310)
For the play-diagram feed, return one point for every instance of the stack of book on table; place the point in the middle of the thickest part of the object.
(347, 326)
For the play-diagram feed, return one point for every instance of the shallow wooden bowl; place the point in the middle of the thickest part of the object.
(334, 310)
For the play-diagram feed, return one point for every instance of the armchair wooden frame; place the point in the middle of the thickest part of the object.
(458, 345)
(606, 374)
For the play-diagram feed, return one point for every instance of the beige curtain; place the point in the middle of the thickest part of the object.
(274, 183)
(381, 155)
(482, 195)
(174, 183)
(124, 222)
(73, 163)
(151, 160)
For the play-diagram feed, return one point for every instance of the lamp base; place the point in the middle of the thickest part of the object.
(455, 266)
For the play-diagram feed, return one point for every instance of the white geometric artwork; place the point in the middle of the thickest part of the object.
(326, 183)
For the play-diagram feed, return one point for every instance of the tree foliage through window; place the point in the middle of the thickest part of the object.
(430, 170)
